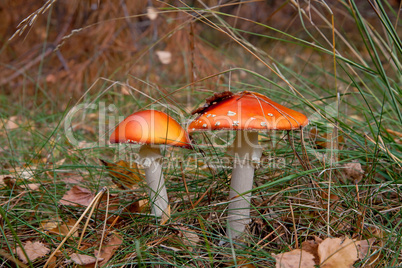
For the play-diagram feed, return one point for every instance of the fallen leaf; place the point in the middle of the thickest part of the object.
(31, 186)
(363, 246)
(81, 259)
(124, 175)
(311, 246)
(77, 196)
(165, 57)
(187, 236)
(353, 171)
(74, 179)
(296, 258)
(33, 250)
(4, 179)
(109, 248)
(11, 123)
(337, 253)
(60, 228)
(152, 13)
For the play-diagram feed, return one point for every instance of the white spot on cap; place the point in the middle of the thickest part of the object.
(213, 115)
(230, 113)
(204, 125)
(217, 123)
(209, 115)
(263, 124)
(235, 123)
(193, 129)
(270, 114)
(252, 118)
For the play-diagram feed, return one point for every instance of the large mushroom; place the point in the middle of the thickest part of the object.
(247, 112)
(151, 128)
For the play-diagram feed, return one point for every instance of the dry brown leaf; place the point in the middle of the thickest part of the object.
(311, 246)
(33, 250)
(4, 180)
(31, 186)
(337, 253)
(109, 248)
(165, 57)
(187, 236)
(296, 258)
(81, 259)
(65, 227)
(124, 175)
(363, 246)
(353, 172)
(74, 179)
(77, 196)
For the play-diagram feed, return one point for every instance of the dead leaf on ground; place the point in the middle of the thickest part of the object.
(124, 175)
(5, 181)
(109, 248)
(33, 250)
(296, 258)
(311, 246)
(328, 253)
(363, 247)
(73, 179)
(187, 237)
(337, 253)
(77, 196)
(353, 172)
(81, 259)
(60, 228)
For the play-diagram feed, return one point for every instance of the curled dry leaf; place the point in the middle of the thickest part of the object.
(296, 258)
(165, 57)
(34, 250)
(81, 259)
(337, 253)
(77, 196)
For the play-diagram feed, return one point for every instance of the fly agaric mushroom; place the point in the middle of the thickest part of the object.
(150, 129)
(247, 112)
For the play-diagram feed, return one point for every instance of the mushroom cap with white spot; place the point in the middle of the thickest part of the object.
(246, 111)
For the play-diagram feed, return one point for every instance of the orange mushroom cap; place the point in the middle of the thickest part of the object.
(150, 127)
(245, 111)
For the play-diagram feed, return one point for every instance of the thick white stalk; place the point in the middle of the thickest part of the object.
(244, 149)
(151, 158)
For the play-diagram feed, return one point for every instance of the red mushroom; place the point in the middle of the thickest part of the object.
(248, 112)
(152, 128)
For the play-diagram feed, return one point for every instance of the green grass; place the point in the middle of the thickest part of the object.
(358, 96)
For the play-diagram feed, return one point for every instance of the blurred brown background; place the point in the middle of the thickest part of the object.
(118, 39)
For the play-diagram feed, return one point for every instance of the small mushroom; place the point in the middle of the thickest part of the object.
(152, 129)
(247, 112)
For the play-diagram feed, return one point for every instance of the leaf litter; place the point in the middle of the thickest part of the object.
(327, 253)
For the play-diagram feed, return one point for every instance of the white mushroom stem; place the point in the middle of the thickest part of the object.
(151, 158)
(245, 150)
